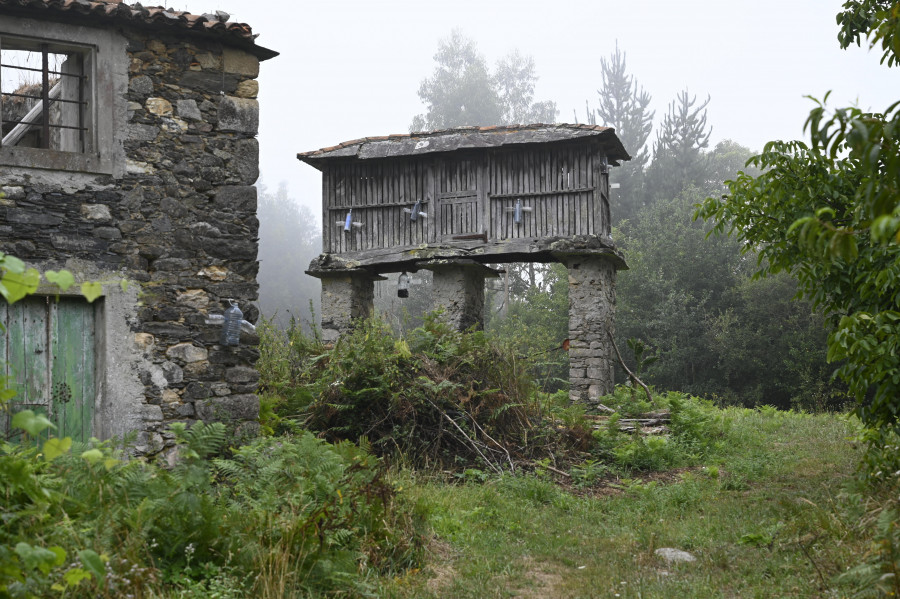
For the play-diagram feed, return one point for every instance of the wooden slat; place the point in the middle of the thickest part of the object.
(542, 193)
(390, 195)
(73, 368)
(582, 169)
(599, 225)
(4, 362)
(89, 381)
(457, 199)
(428, 190)
(483, 206)
(383, 217)
(37, 366)
(15, 356)
(497, 187)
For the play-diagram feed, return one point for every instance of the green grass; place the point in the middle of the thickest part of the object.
(765, 516)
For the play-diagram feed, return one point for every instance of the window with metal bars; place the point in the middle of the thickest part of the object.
(45, 99)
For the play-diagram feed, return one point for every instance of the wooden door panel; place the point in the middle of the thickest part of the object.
(47, 354)
(72, 385)
(459, 199)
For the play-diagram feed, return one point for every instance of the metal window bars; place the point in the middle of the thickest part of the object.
(39, 115)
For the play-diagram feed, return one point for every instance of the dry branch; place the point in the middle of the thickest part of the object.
(630, 374)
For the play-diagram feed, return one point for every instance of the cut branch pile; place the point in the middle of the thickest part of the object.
(651, 423)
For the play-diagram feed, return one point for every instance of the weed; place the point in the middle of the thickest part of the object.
(588, 473)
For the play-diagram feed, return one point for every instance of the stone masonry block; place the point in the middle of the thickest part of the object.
(187, 352)
(238, 62)
(236, 198)
(231, 407)
(187, 109)
(95, 212)
(241, 374)
(238, 114)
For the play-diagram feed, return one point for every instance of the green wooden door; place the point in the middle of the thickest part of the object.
(47, 354)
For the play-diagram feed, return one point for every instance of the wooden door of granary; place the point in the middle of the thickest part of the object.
(47, 350)
(459, 198)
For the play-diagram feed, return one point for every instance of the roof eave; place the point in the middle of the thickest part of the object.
(465, 138)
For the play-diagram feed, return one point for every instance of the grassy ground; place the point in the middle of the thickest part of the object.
(764, 518)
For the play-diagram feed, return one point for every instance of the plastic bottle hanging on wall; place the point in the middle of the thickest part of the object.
(231, 328)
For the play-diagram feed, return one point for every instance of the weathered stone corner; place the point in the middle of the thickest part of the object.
(592, 298)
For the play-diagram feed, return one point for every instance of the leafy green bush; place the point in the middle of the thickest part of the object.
(696, 429)
(436, 397)
(650, 453)
(283, 516)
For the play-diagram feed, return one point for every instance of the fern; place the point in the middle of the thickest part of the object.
(202, 439)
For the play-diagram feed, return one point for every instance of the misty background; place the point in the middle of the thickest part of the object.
(693, 89)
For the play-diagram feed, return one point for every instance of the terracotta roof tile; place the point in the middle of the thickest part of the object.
(239, 34)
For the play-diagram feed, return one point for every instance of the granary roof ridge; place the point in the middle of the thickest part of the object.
(216, 25)
(402, 144)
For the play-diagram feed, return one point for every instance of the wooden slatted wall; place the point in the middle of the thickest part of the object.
(377, 192)
(563, 186)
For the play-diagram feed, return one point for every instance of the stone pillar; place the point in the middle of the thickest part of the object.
(458, 288)
(592, 297)
(347, 295)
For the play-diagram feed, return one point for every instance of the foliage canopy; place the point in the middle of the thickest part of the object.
(464, 91)
(829, 212)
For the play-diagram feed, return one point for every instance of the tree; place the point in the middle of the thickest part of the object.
(715, 331)
(289, 238)
(770, 348)
(673, 289)
(514, 80)
(829, 212)
(624, 106)
(463, 91)
(678, 153)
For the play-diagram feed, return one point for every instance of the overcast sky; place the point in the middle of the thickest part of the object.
(352, 68)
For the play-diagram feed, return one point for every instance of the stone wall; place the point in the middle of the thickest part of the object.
(458, 290)
(592, 297)
(178, 219)
(346, 297)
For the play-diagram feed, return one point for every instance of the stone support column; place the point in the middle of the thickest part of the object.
(458, 288)
(347, 296)
(592, 297)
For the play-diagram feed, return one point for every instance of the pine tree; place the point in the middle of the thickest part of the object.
(623, 105)
(679, 160)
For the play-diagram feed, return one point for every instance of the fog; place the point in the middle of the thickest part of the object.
(352, 69)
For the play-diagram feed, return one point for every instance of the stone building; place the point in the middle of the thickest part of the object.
(455, 202)
(129, 154)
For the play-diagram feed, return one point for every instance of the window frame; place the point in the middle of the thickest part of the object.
(80, 119)
(107, 81)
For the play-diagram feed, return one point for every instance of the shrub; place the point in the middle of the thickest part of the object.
(437, 397)
(286, 516)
